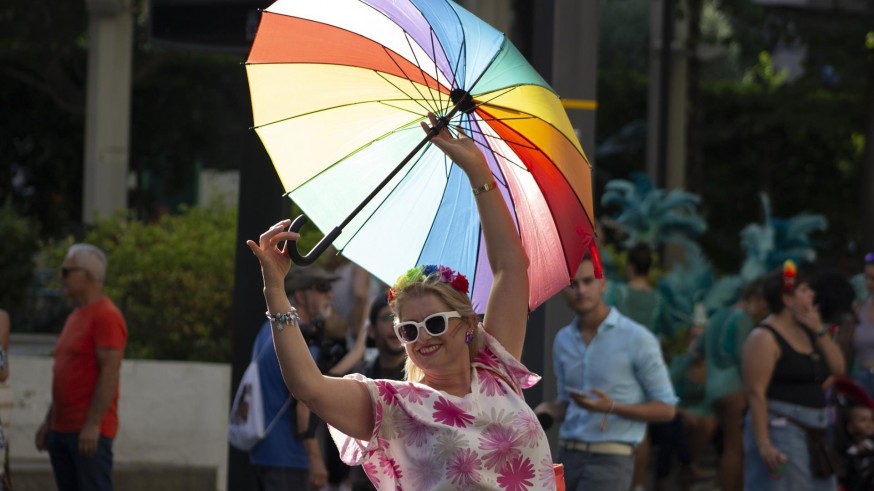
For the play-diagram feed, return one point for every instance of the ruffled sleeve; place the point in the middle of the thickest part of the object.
(353, 451)
(495, 357)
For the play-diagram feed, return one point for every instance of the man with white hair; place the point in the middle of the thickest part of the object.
(83, 418)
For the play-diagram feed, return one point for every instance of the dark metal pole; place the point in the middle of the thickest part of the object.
(667, 38)
(260, 205)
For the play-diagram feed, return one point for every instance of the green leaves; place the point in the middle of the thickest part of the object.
(173, 279)
(16, 259)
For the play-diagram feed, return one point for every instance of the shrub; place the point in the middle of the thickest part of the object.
(16, 260)
(173, 280)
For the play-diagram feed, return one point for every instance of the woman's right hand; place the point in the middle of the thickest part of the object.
(771, 456)
(274, 262)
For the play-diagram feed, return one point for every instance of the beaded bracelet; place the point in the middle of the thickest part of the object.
(284, 319)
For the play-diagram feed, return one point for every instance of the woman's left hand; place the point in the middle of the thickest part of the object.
(462, 149)
(808, 316)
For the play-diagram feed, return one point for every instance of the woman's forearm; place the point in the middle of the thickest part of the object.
(759, 415)
(503, 244)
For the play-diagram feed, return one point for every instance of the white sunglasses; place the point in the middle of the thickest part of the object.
(435, 324)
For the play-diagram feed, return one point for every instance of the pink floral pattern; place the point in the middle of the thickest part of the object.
(426, 439)
(529, 428)
(413, 393)
(517, 476)
(390, 468)
(463, 469)
(546, 474)
(490, 384)
(418, 433)
(372, 473)
(451, 415)
(387, 391)
(500, 444)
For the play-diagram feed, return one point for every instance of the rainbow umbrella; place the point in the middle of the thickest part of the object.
(339, 88)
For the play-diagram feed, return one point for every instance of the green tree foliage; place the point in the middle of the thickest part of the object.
(16, 259)
(188, 111)
(173, 279)
(794, 144)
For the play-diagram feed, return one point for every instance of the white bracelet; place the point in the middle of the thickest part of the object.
(284, 319)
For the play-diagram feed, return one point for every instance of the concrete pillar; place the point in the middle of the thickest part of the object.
(107, 113)
(575, 65)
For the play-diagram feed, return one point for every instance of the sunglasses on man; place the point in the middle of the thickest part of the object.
(436, 325)
(67, 271)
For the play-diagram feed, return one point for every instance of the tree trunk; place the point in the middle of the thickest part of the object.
(694, 169)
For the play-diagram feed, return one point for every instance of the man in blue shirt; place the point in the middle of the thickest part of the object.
(611, 381)
(289, 457)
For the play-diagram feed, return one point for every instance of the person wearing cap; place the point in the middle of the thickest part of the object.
(459, 420)
(288, 458)
(310, 292)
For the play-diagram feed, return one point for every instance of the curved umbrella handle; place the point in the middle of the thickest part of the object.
(310, 257)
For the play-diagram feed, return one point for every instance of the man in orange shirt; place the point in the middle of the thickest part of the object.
(83, 418)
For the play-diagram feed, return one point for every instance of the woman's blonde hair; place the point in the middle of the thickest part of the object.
(448, 286)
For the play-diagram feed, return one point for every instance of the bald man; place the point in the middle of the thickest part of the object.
(83, 418)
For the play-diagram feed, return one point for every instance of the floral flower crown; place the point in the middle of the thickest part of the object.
(789, 274)
(421, 273)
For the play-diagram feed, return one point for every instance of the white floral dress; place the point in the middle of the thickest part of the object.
(425, 439)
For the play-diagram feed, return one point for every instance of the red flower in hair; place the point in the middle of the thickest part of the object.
(789, 274)
(460, 283)
(391, 294)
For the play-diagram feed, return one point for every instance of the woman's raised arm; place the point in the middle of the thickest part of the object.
(507, 311)
(344, 404)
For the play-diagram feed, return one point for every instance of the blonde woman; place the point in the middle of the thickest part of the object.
(459, 420)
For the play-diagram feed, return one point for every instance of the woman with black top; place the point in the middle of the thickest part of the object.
(786, 360)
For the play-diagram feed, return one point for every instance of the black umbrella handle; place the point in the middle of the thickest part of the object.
(300, 221)
(318, 250)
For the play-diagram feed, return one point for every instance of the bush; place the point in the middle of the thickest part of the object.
(16, 260)
(172, 279)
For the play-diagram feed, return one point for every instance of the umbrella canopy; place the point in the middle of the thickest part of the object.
(339, 88)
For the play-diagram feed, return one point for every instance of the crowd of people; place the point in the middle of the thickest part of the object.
(409, 388)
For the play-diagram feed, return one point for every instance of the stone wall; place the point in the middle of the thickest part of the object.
(171, 413)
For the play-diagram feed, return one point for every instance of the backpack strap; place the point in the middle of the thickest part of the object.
(279, 413)
(284, 407)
